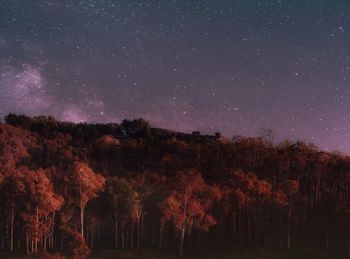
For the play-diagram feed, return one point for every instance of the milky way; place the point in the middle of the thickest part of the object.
(231, 66)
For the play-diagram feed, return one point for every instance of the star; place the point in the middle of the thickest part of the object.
(227, 66)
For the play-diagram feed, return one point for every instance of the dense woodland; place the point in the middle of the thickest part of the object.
(77, 188)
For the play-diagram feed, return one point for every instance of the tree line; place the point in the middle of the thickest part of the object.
(76, 188)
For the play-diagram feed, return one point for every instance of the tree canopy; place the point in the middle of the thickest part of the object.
(76, 188)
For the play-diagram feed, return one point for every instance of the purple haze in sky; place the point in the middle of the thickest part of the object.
(228, 66)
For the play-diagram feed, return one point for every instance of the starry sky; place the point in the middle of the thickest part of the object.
(233, 66)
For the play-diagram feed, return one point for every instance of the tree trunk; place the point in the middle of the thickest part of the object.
(288, 228)
(12, 226)
(281, 240)
(161, 235)
(82, 207)
(116, 232)
(166, 236)
(82, 219)
(51, 241)
(138, 232)
(142, 232)
(36, 229)
(87, 236)
(132, 237)
(122, 232)
(182, 237)
(61, 243)
(92, 239)
(27, 243)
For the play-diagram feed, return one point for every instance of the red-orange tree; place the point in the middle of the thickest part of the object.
(87, 184)
(188, 204)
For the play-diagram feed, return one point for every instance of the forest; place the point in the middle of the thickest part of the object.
(68, 190)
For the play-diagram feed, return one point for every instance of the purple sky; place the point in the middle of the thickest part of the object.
(232, 66)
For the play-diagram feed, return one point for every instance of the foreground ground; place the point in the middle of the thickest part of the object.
(256, 253)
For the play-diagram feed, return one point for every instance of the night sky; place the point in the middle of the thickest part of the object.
(231, 66)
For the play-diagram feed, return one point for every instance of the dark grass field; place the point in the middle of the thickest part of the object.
(254, 253)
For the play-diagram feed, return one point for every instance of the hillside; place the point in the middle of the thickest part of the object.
(83, 188)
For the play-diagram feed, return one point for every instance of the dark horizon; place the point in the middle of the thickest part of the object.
(266, 134)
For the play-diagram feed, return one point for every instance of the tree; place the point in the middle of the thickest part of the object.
(252, 200)
(87, 184)
(119, 195)
(135, 128)
(12, 190)
(39, 208)
(75, 246)
(188, 203)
